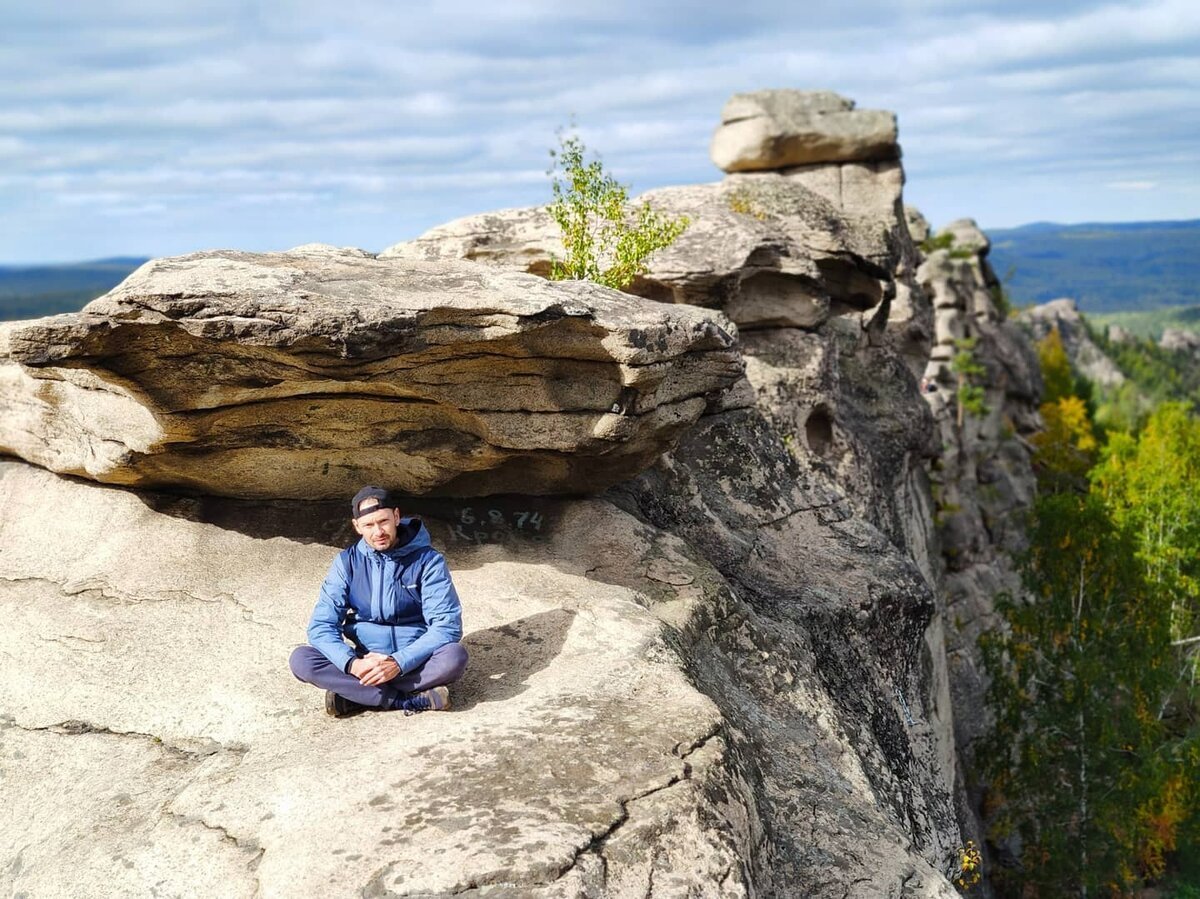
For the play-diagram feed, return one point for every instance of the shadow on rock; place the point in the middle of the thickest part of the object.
(325, 522)
(504, 658)
(457, 526)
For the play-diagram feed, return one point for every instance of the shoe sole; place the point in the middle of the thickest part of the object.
(336, 710)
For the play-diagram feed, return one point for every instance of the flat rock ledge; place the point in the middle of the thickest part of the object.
(180, 758)
(302, 374)
(776, 129)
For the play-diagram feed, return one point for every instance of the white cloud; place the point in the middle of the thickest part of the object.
(397, 116)
(1132, 185)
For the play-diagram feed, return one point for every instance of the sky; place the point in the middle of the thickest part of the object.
(151, 129)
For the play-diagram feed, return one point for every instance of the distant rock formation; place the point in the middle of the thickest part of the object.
(302, 374)
(1089, 360)
(1117, 334)
(965, 237)
(1179, 340)
(778, 129)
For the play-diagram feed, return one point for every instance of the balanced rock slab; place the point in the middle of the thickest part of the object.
(777, 129)
(305, 374)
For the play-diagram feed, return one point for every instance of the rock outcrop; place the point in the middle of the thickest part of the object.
(813, 264)
(778, 129)
(983, 480)
(1179, 341)
(723, 674)
(1087, 358)
(1117, 334)
(819, 665)
(816, 267)
(268, 375)
(768, 251)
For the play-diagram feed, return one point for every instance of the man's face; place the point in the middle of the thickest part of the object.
(378, 528)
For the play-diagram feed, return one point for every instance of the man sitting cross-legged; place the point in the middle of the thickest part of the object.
(391, 596)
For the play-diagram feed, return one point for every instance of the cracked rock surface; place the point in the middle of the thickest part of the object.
(152, 732)
(264, 375)
(99, 819)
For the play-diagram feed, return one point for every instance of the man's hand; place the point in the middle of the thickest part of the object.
(374, 669)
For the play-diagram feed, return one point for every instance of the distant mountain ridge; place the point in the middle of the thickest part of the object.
(1104, 267)
(31, 291)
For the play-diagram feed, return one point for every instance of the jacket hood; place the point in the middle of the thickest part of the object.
(412, 536)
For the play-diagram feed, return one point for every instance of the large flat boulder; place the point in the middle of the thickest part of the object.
(776, 129)
(770, 252)
(304, 374)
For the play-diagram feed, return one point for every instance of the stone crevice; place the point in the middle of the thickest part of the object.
(109, 592)
(598, 842)
(593, 849)
(792, 514)
(200, 411)
(249, 846)
(74, 727)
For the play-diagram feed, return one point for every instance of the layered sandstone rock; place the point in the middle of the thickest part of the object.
(769, 249)
(776, 129)
(301, 374)
(523, 239)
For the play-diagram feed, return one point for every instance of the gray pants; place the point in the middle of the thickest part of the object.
(445, 666)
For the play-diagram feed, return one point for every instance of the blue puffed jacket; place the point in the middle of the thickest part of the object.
(402, 600)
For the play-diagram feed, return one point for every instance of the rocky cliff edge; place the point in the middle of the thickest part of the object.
(721, 674)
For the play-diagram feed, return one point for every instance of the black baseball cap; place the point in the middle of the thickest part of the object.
(370, 499)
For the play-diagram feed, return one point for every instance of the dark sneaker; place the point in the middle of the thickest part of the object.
(339, 706)
(435, 699)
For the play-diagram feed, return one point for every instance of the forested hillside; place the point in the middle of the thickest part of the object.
(1151, 322)
(1093, 762)
(1104, 267)
(31, 291)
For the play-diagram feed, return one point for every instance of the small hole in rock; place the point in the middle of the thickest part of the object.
(818, 430)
